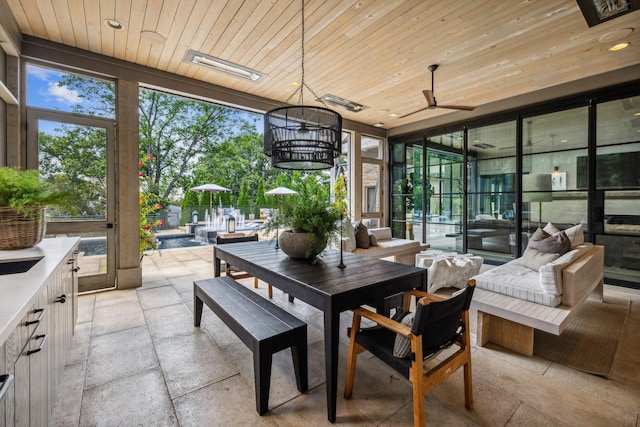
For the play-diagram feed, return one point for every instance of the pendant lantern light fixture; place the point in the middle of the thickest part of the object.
(302, 137)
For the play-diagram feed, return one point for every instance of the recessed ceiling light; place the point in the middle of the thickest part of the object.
(564, 140)
(379, 125)
(393, 115)
(637, 114)
(112, 23)
(295, 84)
(618, 46)
(615, 35)
(152, 37)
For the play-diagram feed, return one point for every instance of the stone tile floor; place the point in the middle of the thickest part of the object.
(137, 360)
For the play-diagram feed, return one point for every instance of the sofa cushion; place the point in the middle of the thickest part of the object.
(518, 281)
(534, 259)
(544, 242)
(362, 235)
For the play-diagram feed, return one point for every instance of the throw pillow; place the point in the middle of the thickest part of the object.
(402, 345)
(557, 243)
(551, 229)
(376, 234)
(576, 235)
(534, 259)
(362, 236)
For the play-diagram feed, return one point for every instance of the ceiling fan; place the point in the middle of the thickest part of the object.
(431, 99)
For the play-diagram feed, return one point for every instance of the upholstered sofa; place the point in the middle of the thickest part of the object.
(549, 279)
(381, 245)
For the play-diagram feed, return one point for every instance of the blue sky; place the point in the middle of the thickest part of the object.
(43, 91)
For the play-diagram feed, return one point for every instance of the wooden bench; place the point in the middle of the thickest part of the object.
(261, 325)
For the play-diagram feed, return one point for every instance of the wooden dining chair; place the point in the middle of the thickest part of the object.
(437, 324)
(232, 271)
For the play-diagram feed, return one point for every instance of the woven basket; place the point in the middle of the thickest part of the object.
(18, 231)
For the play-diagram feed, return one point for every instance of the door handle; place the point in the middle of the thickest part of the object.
(39, 319)
(44, 340)
(108, 225)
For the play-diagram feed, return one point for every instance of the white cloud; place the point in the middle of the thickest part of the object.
(63, 94)
(41, 73)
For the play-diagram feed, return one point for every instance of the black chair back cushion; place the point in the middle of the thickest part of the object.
(440, 322)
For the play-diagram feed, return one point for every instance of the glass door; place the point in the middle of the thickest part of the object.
(76, 153)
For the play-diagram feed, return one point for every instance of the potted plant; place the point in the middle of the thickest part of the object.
(23, 199)
(310, 223)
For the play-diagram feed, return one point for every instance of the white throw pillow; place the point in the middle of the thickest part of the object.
(383, 233)
(575, 235)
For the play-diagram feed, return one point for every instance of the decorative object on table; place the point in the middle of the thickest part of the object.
(210, 188)
(302, 137)
(23, 199)
(310, 223)
(280, 192)
(341, 264)
(231, 224)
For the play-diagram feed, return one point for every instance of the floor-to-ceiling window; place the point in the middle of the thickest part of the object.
(573, 162)
(554, 187)
(617, 186)
(491, 203)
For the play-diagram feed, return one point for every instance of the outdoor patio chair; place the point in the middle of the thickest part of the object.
(409, 345)
(229, 269)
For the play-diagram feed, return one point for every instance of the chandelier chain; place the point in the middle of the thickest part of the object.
(303, 84)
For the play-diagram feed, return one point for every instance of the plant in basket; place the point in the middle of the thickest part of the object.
(23, 199)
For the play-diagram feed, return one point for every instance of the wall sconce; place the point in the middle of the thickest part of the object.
(231, 224)
(556, 169)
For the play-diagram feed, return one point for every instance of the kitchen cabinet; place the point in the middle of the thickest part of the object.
(35, 350)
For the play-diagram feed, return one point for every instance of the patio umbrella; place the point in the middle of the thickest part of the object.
(280, 191)
(211, 188)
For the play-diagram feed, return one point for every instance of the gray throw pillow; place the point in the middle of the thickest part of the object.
(558, 243)
(362, 235)
(534, 259)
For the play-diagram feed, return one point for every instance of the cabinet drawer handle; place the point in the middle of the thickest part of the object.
(75, 270)
(61, 299)
(44, 340)
(39, 319)
(6, 379)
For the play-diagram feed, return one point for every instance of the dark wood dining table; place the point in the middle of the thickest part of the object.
(323, 285)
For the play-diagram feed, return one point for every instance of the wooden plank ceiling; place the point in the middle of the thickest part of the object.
(373, 52)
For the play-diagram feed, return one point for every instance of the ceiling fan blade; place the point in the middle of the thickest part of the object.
(457, 107)
(431, 101)
(414, 112)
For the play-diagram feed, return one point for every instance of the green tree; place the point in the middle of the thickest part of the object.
(189, 203)
(243, 198)
(261, 201)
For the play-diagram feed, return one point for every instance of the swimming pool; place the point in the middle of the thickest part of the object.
(167, 241)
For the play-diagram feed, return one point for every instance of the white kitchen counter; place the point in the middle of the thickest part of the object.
(19, 291)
